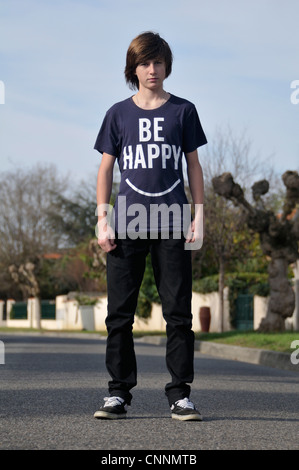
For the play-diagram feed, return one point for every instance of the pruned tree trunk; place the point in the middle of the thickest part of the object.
(25, 278)
(282, 298)
(278, 237)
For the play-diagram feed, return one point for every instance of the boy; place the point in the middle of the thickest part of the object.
(148, 133)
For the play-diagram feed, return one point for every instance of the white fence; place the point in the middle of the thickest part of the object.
(71, 316)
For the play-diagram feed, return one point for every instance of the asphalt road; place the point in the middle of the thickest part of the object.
(51, 386)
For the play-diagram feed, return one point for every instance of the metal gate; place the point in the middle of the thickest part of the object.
(19, 311)
(244, 312)
(48, 309)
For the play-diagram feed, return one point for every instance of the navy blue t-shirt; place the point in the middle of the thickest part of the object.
(149, 146)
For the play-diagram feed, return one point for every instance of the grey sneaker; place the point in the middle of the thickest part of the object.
(114, 408)
(184, 410)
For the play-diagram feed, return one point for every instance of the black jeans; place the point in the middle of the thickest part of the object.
(172, 271)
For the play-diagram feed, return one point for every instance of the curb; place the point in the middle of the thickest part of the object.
(261, 357)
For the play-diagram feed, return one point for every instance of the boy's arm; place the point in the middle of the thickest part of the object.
(196, 184)
(104, 187)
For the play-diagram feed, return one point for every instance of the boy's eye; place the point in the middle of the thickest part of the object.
(146, 64)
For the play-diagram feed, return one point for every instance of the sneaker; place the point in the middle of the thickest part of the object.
(184, 410)
(114, 408)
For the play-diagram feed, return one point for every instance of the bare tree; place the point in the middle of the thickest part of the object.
(25, 231)
(25, 200)
(224, 220)
(227, 151)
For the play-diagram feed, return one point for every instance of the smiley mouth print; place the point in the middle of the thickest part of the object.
(145, 193)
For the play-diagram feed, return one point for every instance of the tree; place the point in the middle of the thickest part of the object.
(25, 231)
(25, 277)
(226, 237)
(278, 237)
(74, 215)
(25, 200)
(223, 224)
(49, 227)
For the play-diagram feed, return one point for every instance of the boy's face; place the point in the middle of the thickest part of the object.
(151, 74)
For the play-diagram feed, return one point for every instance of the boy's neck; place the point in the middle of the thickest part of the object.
(151, 99)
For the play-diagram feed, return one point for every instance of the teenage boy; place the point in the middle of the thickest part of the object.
(148, 134)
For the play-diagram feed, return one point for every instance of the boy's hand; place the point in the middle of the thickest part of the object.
(107, 245)
(196, 229)
(190, 237)
(106, 239)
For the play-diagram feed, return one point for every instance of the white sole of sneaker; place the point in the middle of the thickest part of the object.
(106, 415)
(191, 417)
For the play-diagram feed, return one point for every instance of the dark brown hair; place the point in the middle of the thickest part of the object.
(146, 46)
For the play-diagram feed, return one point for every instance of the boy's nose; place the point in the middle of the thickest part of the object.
(152, 68)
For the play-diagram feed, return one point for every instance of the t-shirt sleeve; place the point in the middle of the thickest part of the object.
(108, 139)
(193, 134)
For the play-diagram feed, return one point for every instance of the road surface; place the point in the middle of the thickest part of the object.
(51, 386)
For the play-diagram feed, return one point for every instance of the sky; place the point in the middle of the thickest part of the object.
(62, 67)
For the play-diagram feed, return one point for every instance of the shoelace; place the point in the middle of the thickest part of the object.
(185, 403)
(113, 401)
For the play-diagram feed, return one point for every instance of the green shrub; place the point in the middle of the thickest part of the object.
(243, 283)
(206, 285)
(83, 299)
